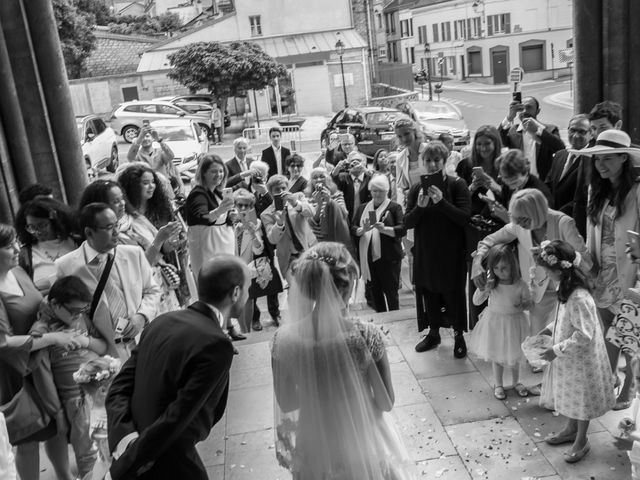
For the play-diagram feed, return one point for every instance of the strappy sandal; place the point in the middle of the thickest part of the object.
(521, 389)
(498, 392)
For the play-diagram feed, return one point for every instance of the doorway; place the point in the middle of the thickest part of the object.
(499, 66)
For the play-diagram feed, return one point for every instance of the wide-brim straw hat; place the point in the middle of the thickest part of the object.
(611, 141)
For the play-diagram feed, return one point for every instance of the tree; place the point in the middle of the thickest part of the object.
(142, 24)
(225, 70)
(75, 29)
(98, 8)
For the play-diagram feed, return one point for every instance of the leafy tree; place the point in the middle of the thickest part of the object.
(75, 29)
(142, 24)
(97, 8)
(225, 70)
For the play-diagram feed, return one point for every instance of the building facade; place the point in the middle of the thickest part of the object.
(482, 40)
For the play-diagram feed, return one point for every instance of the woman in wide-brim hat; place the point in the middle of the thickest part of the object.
(612, 209)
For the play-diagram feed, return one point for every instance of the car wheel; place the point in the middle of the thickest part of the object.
(91, 172)
(206, 130)
(130, 133)
(113, 160)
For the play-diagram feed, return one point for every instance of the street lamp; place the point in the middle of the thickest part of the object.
(427, 53)
(340, 52)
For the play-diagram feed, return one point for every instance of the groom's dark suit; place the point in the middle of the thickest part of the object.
(171, 391)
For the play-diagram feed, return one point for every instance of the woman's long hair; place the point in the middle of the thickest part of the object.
(602, 189)
(492, 134)
(159, 210)
(97, 192)
(61, 217)
(561, 257)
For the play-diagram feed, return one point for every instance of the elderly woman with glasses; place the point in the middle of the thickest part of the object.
(533, 222)
(294, 164)
(380, 228)
(46, 231)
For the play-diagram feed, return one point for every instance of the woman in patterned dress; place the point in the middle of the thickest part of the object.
(581, 385)
(332, 381)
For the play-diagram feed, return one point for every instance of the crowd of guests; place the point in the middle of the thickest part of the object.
(515, 236)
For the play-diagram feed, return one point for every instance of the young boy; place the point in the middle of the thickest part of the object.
(65, 309)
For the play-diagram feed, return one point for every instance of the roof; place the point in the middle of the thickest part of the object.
(284, 48)
(398, 4)
(426, 3)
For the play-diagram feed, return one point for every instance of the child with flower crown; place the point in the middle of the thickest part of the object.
(503, 324)
(581, 383)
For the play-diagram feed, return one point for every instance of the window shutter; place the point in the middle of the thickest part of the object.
(507, 23)
(490, 26)
(435, 32)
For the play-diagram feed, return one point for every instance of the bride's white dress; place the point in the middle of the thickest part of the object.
(328, 426)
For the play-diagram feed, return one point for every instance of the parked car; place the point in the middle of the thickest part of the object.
(198, 98)
(126, 118)
(187, 141)
(371, 126)
(99, 144)
(437, 117)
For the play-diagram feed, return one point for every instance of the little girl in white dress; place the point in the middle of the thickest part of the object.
(503, 325)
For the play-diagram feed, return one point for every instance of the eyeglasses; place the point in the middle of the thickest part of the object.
(107, 228)
(37, 228)
(77, 310)
(295, 165)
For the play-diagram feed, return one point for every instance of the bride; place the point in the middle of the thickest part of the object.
(332, 380)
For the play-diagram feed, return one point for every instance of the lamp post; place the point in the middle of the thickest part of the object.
(340, 52)
(427, 53)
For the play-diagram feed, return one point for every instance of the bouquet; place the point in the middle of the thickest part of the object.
(95, 378)
(534, 347)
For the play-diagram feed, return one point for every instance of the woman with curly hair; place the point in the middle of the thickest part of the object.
(153, 226)
(46, 231)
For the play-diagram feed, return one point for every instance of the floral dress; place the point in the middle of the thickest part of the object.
(581, 381)
(608, 292)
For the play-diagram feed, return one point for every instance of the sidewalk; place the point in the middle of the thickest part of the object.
(478, 87)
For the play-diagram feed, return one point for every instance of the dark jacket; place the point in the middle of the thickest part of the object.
(390, 247)
(199, 203)
(439, 258)
(532, 182)
(563, 188)
(299, 185)
(550, 142)
(172, 391)
(344, 182)
(269, 157)
(234, 180)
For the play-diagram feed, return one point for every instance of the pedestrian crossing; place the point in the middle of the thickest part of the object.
(462, 103)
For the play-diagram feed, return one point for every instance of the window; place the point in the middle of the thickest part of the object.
(412, 55)
(383, 51)
(256, 27)
(394, 48)
(99, 126)
(379, 17)
(435, 33)
(411, 27)
(451, 62)
(474, 60)
(532, 57)
(474, 29)
(446, 31)
(390, 23)
(167, 110)
(404, 28)
(422, 34)
(499, 24)
(460, 30)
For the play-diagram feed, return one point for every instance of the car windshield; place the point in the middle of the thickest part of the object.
(435, 111)
(381, 117)
(174, 133)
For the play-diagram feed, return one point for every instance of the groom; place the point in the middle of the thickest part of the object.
(173, 389)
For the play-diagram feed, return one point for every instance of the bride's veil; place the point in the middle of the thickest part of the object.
(327, 423)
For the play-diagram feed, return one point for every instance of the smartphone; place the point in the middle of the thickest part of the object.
(517, 97)
(145, 123)
(227, 193)
(121, 325)
(249, 216)
(372, 217)
(477, 171)
(435, 179)
(278, 202)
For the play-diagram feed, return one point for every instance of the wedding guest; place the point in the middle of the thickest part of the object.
(34, 190)
(294, 164)
(329, 221)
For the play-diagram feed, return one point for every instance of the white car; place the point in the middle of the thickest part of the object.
(187, 141)
(99, 144)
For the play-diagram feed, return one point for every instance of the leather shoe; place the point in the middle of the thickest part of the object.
(560, 439)
(459, 346)
(573, 457)
(257, 326)
(428, 343)
(235, 335)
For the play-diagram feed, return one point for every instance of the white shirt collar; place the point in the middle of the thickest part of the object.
(276, 149)
(91, 253)
(360, 177)
(217, 312)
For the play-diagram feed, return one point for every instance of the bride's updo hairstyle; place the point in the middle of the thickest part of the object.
(331, 256)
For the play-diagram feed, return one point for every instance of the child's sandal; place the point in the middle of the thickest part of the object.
(521, 390)
(498, 392)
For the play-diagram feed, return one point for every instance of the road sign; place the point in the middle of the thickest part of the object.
(566, 55)
(440, 60)
(516, 75)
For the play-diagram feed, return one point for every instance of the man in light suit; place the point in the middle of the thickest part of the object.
(173, 390)
(131, 296)
(563, 176)
(238, 167)
(288, 229)
(276, 154)
(537, 141)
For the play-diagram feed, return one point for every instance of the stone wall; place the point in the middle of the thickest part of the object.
(394, 97)
(117, 54)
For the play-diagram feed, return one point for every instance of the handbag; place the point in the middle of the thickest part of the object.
(24, 414)
(624, 331)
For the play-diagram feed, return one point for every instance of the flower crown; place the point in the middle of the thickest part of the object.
(88, 374)
(552, 260)
(329, 260)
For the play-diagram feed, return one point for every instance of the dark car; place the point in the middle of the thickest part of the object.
(371, 126)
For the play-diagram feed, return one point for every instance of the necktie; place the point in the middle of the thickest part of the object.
(243, 166)
(356, 194)
(113, 293)
(567, 165)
